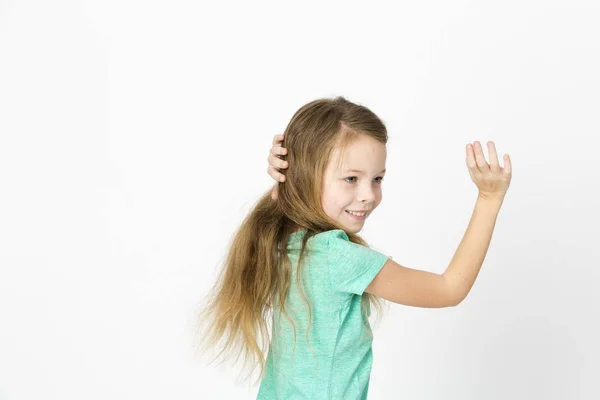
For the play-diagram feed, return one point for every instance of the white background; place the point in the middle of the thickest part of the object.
(134, 138)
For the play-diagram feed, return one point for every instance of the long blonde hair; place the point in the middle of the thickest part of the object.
(253, 279)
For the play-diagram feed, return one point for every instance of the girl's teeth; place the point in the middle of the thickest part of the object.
(357, 214)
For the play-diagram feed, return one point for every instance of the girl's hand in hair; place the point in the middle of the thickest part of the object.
(276, 164)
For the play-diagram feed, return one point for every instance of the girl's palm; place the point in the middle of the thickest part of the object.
(491, 179)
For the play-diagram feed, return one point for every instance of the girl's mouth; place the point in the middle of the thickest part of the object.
(357, 216)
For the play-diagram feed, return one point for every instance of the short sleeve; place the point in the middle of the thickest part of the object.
(352, 266)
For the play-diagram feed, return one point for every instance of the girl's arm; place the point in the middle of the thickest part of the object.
(417, 288)
(468, 258)
(425, 289)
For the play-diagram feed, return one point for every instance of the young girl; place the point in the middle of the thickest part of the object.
(297, 255)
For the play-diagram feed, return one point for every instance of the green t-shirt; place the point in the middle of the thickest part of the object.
(336, 272)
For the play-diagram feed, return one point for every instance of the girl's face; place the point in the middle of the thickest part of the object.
(356, 185)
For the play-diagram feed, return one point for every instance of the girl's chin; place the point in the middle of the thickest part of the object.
(354, 229)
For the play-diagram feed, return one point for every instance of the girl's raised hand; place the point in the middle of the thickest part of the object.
(276, 163)
(491, 179)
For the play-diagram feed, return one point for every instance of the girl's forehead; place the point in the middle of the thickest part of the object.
(359, 156)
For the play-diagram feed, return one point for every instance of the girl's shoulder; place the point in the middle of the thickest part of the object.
(323, 238)
(336, 238)
(332, 241)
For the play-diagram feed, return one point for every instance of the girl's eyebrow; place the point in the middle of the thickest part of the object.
(361, 172)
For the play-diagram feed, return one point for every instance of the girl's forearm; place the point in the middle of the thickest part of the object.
(466, 263)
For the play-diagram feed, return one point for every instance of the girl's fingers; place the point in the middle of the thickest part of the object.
(471, 163)
(276, 162)
(507, 166)
(494, 165)
(278, 150)
(275, 174)
(480, 158)
(277, 139)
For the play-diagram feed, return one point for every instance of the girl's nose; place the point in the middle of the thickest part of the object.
(367, 196)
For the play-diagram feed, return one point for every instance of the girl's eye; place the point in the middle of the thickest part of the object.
(353, 177)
